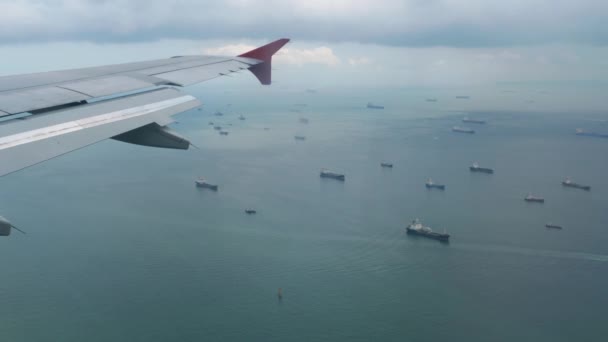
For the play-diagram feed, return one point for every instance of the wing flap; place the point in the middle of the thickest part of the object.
(192, 75)
(98, 87)
(25, 100)
(44, 136)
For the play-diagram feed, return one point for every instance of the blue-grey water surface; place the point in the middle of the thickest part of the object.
(121, 246)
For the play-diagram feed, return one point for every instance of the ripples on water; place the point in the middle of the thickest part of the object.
(122, 247)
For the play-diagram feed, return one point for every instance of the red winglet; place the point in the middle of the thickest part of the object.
(263, 70)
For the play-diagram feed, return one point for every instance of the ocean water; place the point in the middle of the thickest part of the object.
(121, 246)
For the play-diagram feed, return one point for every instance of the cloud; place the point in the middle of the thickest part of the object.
(456, 23)
(359, 61)
(299, 57)
(319, 55)
(228, 50)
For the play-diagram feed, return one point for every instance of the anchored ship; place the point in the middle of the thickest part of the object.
(202, 183)
(580, 131)
(473, 121)
(416, 228)
(330, 174)
(476, 168)
(531, 198)
(570, 184)
(373, 106)
(554, 226)
(462, 130)
(431, 185)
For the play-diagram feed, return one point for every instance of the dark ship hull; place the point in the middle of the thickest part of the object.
(431, 235)
(435, 186)
(481, 169)
(373, 106)
(333, 175)
(576, 186)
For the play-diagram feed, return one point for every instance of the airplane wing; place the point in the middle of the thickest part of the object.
(44, 115)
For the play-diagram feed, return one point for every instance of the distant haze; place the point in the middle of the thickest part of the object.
(335, 43)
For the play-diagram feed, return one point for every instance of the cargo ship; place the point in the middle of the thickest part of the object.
(385, 164)
(462, 130)
(554, 226)
(570, 184)
(431, 185)
(373, 106)
(535, 199)
(416, 228)
(202, 183)
(473, 121)
(476, 168)
(580, 131)
(330, 174)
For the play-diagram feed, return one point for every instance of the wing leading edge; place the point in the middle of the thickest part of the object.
(48, 114)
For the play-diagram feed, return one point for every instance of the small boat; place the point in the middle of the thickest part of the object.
(217, 128)
(241, 117)
(211, 123)
(218, 113)
(553, 226)
(280, 293)
(385, 164)
(330, 174)
(250, 211)
(431, 100)
(431, 185)
(202, 183)
(304, 120)
(531, 198)
(299, 137)
(223, 133)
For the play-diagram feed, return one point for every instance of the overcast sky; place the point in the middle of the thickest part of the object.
(378, 42)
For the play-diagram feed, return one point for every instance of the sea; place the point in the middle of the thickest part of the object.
(121, 246)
